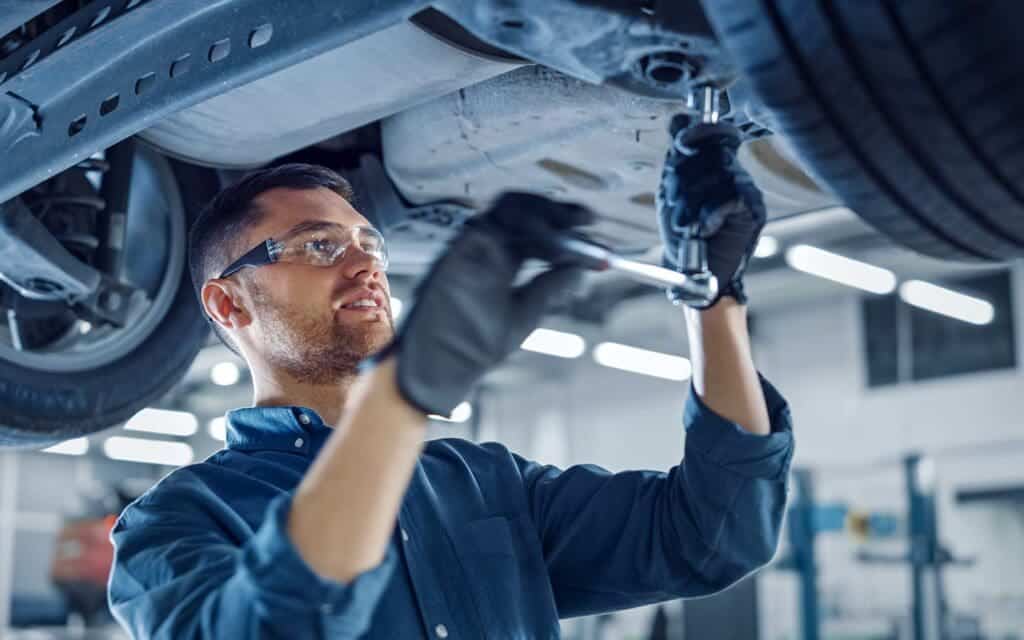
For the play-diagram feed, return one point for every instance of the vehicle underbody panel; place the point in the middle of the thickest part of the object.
(332, 93)
(130, 72)
(541, 130)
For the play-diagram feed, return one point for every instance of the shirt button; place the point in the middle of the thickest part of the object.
(405, 536)
(298, 443)
(304, 419)
(441, 631)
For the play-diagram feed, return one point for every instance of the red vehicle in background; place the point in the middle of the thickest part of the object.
(81, 564)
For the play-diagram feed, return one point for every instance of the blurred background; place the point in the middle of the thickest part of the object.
(906, 515)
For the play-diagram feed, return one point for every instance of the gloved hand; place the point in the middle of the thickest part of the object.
(467, 315)
(703, 184)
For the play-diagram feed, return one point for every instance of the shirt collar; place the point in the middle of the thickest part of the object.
(295, 429)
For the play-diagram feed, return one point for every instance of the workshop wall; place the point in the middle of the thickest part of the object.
(970, 426)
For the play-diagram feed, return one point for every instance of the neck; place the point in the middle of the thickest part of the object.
(278, 389)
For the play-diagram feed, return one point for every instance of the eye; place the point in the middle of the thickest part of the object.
(370, 244)
(322, 247)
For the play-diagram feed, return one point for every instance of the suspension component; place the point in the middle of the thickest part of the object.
(115, 190)
(37, 266)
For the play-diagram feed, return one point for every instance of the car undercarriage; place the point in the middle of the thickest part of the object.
(119, 119)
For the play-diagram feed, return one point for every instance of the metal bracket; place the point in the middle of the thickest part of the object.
(156, 59)
(38, 267)
(655, 49)
(73, 26)
(35, 264)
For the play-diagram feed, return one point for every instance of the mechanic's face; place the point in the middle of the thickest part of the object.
(299, 320)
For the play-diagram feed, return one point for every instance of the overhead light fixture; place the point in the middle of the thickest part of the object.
(225, 374)
(162, 421)
(462, 412)
(218, 428)
(832, 266)
(396, 308)
(947, 302)
(766, 247)
(555, 343)
(72, 447)
(648, 363)
(163, 452)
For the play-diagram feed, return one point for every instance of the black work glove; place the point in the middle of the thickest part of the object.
(467, 316)
(704, 184)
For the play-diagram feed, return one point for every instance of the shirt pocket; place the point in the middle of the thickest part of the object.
(505, 571)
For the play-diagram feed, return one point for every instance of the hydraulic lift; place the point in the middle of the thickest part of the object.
(925, 555)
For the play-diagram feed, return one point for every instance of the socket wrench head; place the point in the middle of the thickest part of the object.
(700, 293)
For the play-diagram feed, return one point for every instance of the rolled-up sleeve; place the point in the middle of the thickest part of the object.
(737, 483)
(177, 574)
(619, 540)
(730, 445)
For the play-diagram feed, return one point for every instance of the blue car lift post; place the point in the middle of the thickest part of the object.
(925, 555)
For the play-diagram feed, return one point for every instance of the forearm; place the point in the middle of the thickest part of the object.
(723, 367)
(345, 509)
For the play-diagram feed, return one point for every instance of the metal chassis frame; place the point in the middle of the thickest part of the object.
(158, 58)
(148, 59)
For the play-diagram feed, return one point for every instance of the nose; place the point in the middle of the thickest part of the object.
(356, 263)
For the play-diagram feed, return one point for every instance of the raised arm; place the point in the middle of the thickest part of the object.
(613, 541)
(723, 367)
(620, 540)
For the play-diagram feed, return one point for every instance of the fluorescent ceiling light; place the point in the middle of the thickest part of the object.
(843, 270)
(170, 423)
(766, 247)
(72, 447)
(225, 374)
(396, 308)
(218, 428)
(947, 302)
(555, 343)
(649, 363)
(162, 452)
(460, 413)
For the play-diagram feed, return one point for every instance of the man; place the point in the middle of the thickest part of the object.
(327, 516)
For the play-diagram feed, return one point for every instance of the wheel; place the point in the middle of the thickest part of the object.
(909, 111)
(62, 378)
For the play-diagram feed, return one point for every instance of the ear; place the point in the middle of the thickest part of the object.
(222, 302)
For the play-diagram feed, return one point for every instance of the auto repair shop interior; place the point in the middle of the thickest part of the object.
(886, 291)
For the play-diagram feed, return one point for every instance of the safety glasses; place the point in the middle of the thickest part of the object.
(318, 244)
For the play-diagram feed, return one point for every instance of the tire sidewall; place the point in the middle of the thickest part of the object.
(42, 407)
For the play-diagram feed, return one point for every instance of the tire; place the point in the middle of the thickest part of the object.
(908, 111)
(40, 407)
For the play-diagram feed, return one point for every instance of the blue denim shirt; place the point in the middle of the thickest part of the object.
(487, 544)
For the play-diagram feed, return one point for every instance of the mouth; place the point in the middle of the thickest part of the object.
(363, 311)
(365, 302)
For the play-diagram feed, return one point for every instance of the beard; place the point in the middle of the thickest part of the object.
(317, 349)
